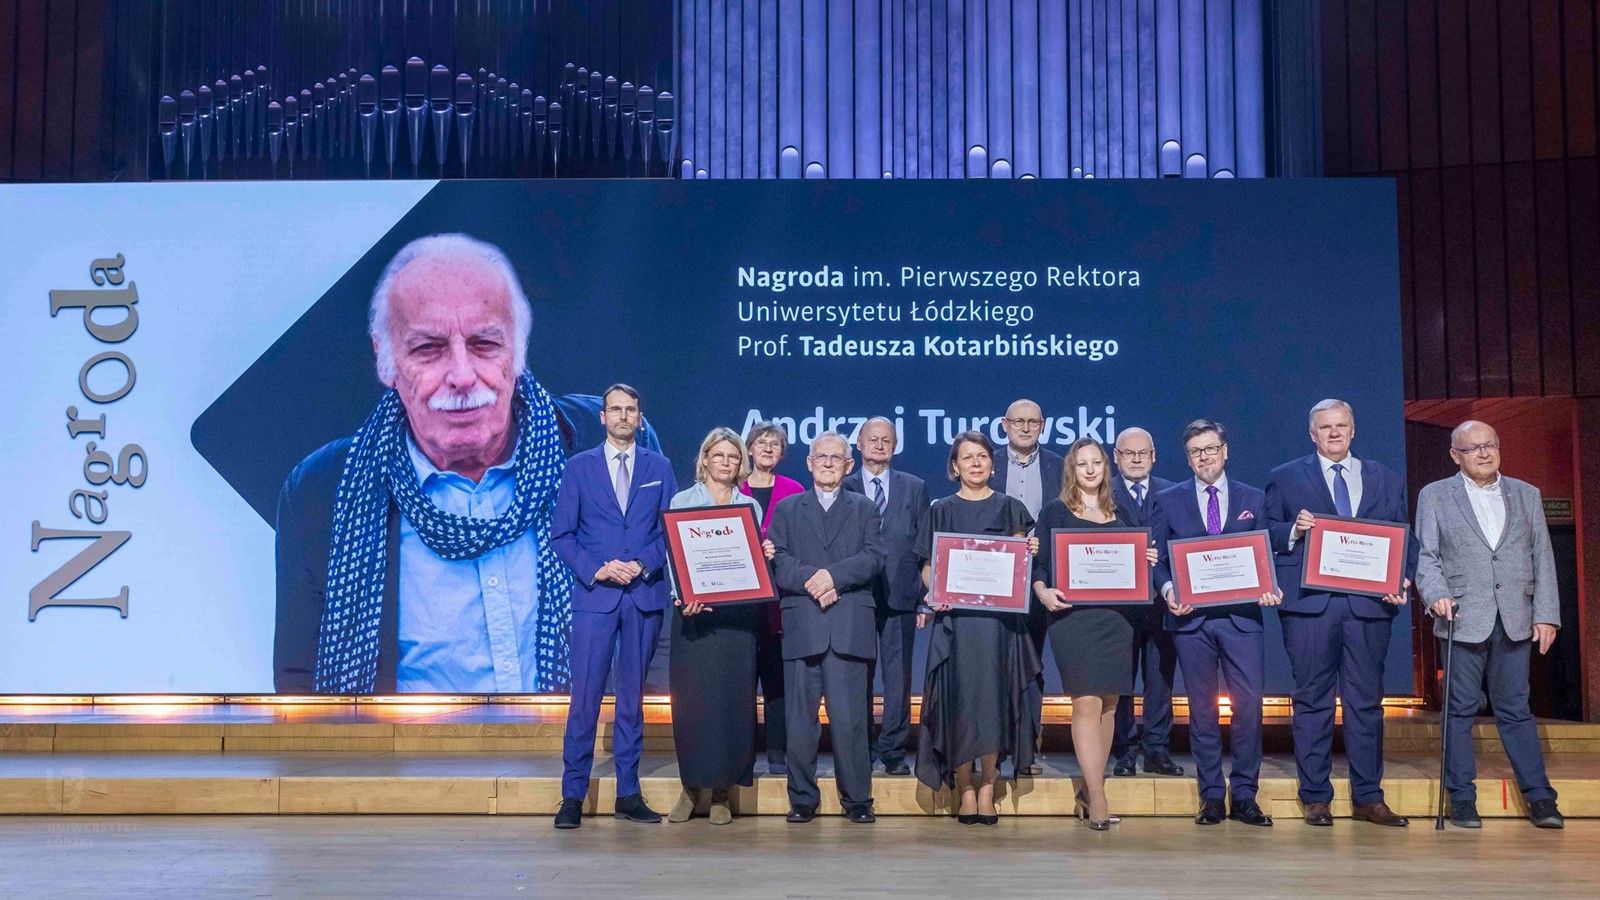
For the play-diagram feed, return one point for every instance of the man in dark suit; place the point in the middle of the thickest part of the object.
(829, 554)
(901, 501)
(1223, 639)
(1134, 491)
(1336, 642)
(1486, 562)
(607, 529)
(1032, 474)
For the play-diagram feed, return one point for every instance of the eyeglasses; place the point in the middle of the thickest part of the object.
(829, 459)
(768, 445)
(1137, 455)
(1203, 452)
(1477, 448)
(1029, 424)
(724, 457)
(622, 410)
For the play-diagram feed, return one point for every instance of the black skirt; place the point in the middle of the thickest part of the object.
(712, 671)
(979, 665)
(1093, 647)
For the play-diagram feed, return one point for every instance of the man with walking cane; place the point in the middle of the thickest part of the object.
(1488, 575)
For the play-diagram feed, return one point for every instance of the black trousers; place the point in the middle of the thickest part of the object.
(897, 637)
(842, 681)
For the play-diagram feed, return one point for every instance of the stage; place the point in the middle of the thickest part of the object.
(481, 758)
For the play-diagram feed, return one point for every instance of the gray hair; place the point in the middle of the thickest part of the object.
(1328, 404)
(831, 436)
(447, 246)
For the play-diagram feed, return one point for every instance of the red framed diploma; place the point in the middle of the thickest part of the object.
(980, 571)
(1101, 565)
(715, 555)
(1220, 569)
(1355, 556)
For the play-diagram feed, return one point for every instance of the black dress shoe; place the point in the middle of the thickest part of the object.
(799, 815)
(570, 814)
(633, 809)
(1161, 764)
(1545, 814)
(1318, 814)
(896, 766)
(860, 813)
(1125, 765)
(1464, 814)
(1250, 813)
(1211, 813)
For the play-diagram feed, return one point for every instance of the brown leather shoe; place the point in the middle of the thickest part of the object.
(1318, 814)
(1378, 814)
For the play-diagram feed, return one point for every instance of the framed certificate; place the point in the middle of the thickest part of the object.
(980, 571)
(1220, 569)
(1355, 556)
(1101, 565)
(715, 555)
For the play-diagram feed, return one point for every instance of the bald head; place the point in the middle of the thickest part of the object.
(1136, 453)
(1475, 447)
(1022, 425)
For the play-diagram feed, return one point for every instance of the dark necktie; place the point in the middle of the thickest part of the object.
(878, 499)
(1138, 494)
(1341, 492)
(1213, 511)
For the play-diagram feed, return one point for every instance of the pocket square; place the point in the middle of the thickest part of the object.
(1246, 516)
(656, 483)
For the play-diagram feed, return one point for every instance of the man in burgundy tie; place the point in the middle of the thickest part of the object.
(1221, 644)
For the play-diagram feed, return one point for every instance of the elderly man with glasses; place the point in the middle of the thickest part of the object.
(1486, 562)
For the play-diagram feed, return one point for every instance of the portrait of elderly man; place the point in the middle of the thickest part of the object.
(414, 555)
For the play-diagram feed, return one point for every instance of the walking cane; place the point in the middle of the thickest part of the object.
(1444, 715)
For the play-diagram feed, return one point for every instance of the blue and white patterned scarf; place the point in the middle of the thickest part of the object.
(378, 470)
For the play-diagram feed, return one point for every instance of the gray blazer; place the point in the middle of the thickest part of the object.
(1516, 578)
(846, 541)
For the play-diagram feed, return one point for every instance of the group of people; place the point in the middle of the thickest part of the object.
(404, 554)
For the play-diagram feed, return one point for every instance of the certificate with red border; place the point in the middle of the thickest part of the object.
(1355, 556)
(980, 571)
(716, 557)
(1101, 565)
(1220, 569)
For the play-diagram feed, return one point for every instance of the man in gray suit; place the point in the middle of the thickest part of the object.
(1486, 563)
(828, 555)
(901, 500)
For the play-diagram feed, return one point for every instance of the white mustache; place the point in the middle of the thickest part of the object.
(446, 400)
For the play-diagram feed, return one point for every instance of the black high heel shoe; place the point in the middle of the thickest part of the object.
(1080, 808)
(968, 818)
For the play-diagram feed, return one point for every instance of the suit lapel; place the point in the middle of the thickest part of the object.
(1459, 490)
(811, 507)
(1371, 489)
(1319, 487)
(1513, 511)
(637, 477)
(610, 488)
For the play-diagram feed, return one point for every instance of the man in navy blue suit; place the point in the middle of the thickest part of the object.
(1336, 642)
(607, 529)
(1217, 644)
(1134, 491)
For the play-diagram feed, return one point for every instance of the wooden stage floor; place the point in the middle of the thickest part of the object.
(504, 758)
(439, 856)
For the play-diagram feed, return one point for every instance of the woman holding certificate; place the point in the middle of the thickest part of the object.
(974, 713)
(712, 669)
(1092, 645)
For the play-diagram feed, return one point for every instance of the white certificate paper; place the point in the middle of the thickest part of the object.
(1103, 567)
(717, 555)
(1349, 555)
(991, 573)
(1211, 571)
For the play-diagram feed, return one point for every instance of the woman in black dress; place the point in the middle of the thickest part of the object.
(1092, 645)
(979, 663)
(712, 669)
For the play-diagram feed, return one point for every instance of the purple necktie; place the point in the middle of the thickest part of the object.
(1213, 511)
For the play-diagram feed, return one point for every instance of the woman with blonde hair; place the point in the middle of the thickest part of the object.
(712, 667)
(1092, 645)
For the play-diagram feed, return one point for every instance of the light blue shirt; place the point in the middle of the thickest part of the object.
(468, 626)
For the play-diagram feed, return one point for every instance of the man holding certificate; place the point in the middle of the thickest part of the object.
(1217, 642)
(1336, 629)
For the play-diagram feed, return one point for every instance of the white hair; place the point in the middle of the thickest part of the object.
(447, 246)
(1326, 405)
(832, 436)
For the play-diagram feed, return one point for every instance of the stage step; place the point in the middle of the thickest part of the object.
(530, 784)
